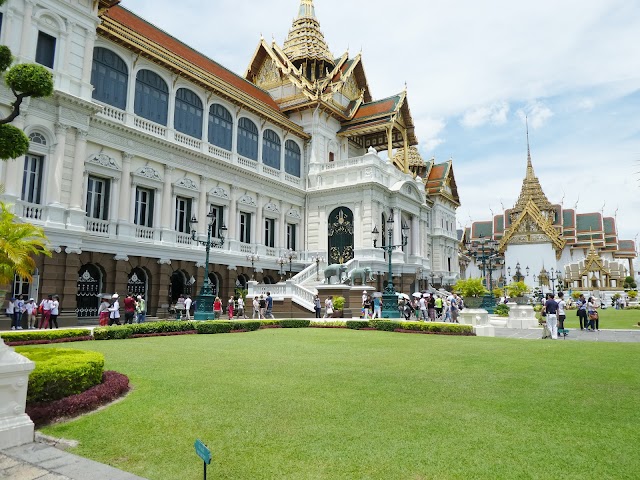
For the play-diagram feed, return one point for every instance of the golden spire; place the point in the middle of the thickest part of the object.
(531, 189)
(305, 40)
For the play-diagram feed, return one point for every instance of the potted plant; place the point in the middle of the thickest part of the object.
(576, 295)
(338, 307)
(633, 294)
(471, 290)
(516, 291)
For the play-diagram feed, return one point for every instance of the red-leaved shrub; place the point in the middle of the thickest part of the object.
(163, 334)
(57, 340)
(113, 385)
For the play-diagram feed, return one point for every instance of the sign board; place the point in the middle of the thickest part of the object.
(203, 452)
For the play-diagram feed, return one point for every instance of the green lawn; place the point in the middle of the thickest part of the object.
(609, 318)
(343, 404)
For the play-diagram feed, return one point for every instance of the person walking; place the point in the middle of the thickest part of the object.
(422, 304)
(328, 307)
(19, 310)
(317, 306)
(262, 305)
(11, 308)
(55, 311)
(431, 307)
(594, 318)
(141, 310)
(103, 312)
(187, 307)
(256, 308)
(31, 310)
(377, 307)
(46, 312)
(241, 312)
(230, 307)
(217, 308)
(129, 309)
(269, 300)
(550, 308)
(367, 306)
(455, 308)
(562, 305)
(114, 310)
(582, 312)
(439, 304)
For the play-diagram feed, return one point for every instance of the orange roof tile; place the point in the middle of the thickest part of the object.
(376, 108)
(153, 33)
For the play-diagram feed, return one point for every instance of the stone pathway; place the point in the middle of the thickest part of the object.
(39, 461)
(625, 336)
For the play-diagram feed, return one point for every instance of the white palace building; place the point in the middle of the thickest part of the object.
(143, 133)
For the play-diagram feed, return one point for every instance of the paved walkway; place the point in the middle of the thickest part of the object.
(627, 336)
(39, 461)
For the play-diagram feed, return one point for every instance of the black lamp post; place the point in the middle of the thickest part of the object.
(432, 276)
(553, 279)
(281, 261)
(252, 257)
(419, 273)
(484, 251)
(204, 301)
(290, 256)
(389, 297)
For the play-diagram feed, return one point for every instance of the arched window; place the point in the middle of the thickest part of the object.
(292, 158)
(188, 113)
(271, 149)
(220, 127)
(247, 139)
(152, 97)
(109, 77)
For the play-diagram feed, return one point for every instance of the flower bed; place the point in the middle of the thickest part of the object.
(113, 386)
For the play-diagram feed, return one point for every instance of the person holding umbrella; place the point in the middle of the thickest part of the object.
(103, 310)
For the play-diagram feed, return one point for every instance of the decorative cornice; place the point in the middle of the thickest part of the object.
(104, 160)
(70, 250)
(118, 257)
(186, 183)
(247, 200)
(148, 172)
(219, 192)
(164, 261)
(272, 207)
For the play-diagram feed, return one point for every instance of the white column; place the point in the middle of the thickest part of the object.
(115, 199)
(77, 176)
(203, 220)
(281, 238)
(397, 226)
(172, 107)
(27, 30)
(415, 235)
(54, 172)
(259, 231)
(7, 29)
(125, 189)
(65, 45)
(232, 221)
(87, 62)
(15, 168)
(166, 198)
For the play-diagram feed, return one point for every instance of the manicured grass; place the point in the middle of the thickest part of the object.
(343, 404)
(609, 318)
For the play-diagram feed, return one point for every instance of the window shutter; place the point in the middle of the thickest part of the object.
(107, 199)
(152, 200)
(187, 222)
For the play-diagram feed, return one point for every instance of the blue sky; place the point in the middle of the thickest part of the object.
(474, 70)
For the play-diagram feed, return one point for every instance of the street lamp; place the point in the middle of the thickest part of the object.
(281, 261)
(290, 255)
(389, 297)
(553, 279)
(419, 273)
(204, 301)
(432, 277)
(484, 253)
(317, 259)
(253, 257)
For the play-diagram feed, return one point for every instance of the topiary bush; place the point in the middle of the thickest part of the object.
(117, 332)
(338, 303)
(13, 142)
(294, 323)
(212, 327)
(249, 325)
(501, 310)
(31, 79)
(44, 334)
(61, 372)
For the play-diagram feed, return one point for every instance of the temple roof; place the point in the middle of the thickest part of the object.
(531, 190)
(589, 222)
(305, 40)
(415, 159)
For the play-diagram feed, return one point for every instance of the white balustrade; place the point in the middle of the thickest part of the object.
(183, 239)
(113, 113)
(145, 233)
(31, 211)
(97, 227)
(220, 152)
(246, 248)
(271, 252)
(271, 171)
(292, 179)
(150, 127)
(187, 140)
(246, 162)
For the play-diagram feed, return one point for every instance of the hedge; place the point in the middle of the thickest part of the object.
(294, 323)
(249, 325)
(113, 385)
(357, 324)
(61, 372)
(119, 332)
(214, 326)
(430, 327)
(45, 335)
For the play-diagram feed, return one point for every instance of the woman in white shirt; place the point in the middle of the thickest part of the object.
(55, 305)
(114, 311)
(561, 313)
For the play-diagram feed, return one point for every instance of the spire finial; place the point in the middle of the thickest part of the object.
(526, 121)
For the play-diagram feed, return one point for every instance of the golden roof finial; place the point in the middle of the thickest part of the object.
(305, 40)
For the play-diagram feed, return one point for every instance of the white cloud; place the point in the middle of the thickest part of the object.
(586, 104)
(431, 136)
(495, 114)
(537, 113)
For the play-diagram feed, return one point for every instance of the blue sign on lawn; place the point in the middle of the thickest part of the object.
(203, 452)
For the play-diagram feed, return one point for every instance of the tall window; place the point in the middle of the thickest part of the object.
(152, 97)
(271, 149)
(291, 236)
(188, 113)
(144, 207)
(220, 127)
(270, 232)
(292, 158)
(183, 214)
(45, 49)
(109, 77)
(98, 198)
(217, 218)
(32, 178)
(20, 286)
(248, 139)
(245, 227)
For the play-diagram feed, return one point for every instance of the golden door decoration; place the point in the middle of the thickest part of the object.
(340, 235)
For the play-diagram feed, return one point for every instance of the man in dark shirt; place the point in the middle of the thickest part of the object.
(269, 299)
(551, 309)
